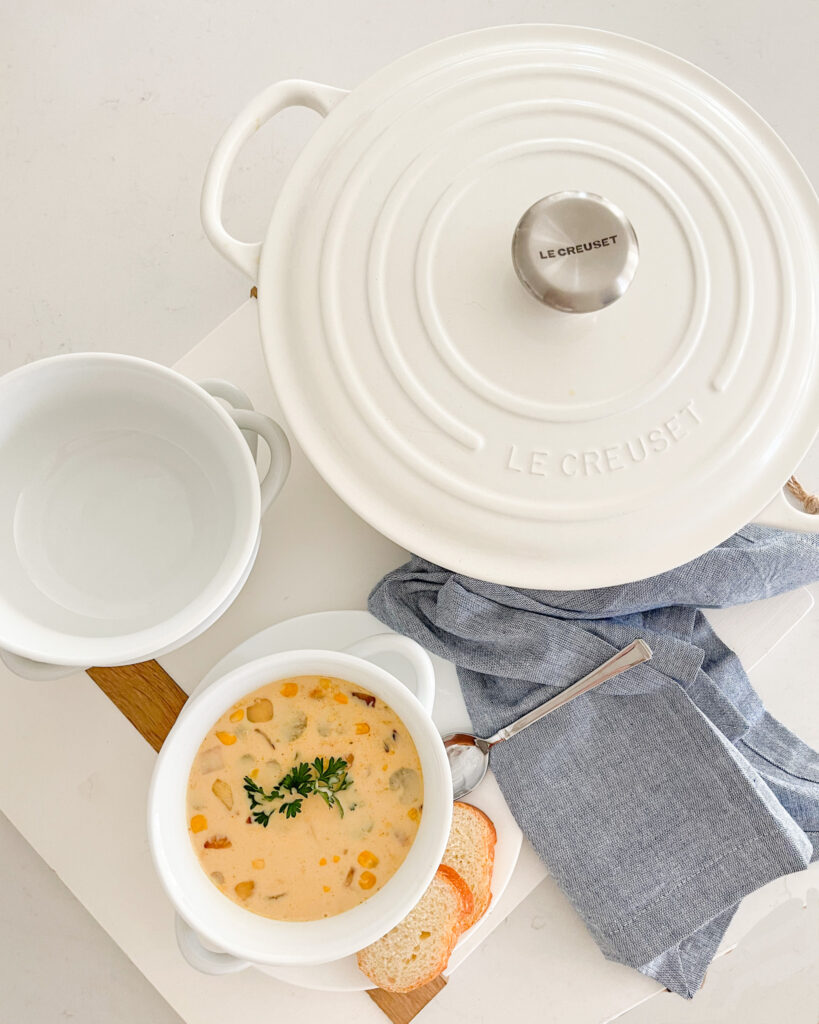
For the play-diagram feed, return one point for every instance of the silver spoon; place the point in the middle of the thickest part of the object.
(469, 755)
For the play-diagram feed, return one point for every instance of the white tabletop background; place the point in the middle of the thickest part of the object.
(108, 113)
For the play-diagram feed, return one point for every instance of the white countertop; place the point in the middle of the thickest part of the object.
(109, 113)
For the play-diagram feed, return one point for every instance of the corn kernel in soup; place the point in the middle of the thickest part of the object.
(312, 804)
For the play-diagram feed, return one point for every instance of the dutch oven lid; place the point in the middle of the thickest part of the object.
(539, 303)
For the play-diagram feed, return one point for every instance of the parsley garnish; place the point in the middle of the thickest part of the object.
(331, 780)
(257, 796)
(327, 780)
(297, 780)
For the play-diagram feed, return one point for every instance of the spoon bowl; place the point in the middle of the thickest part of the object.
(468, 762)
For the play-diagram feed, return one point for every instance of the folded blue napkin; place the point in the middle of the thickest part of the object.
(661, 798)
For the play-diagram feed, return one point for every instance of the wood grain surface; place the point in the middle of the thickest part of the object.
(151, 701)
(401, 1008)
(145, 694)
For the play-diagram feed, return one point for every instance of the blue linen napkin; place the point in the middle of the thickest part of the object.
(661, 798)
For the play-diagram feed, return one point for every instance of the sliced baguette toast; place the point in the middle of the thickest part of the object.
(471, 852)
(418, 948)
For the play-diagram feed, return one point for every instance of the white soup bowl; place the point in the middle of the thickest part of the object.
(216, 935)
(130, 509)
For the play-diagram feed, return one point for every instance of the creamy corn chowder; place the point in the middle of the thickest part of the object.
(304, 798)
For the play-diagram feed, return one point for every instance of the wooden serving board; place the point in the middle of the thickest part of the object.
(151, 701)
(145, 694)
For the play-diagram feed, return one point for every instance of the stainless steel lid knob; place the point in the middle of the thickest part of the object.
(575, 251)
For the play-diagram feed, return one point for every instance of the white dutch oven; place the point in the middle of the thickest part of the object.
(130, 509)
(215, 935)
(540, 304)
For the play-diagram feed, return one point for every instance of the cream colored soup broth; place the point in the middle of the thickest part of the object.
(304, 798)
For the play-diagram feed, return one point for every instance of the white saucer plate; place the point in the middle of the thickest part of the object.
(335, 630)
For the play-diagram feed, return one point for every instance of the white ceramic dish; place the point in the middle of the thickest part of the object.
(234, 395)
(241, 939)
(336, 630)
(473, 424)
(130, 509)
(218, 612)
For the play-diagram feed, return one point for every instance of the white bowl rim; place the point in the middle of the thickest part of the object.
(198, 716)
(132, 647)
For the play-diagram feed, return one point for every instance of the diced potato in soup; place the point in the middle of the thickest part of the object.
(304, 798)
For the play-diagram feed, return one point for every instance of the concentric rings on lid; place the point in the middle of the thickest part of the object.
(492, 433)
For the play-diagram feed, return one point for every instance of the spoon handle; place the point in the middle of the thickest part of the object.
(635, 654)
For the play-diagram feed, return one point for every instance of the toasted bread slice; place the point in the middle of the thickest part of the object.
(418, 948)
(471, 852)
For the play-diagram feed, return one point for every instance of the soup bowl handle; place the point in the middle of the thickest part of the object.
(200, 957)
(276, 439)
(252, 425)
(237, 399)
(392, 643)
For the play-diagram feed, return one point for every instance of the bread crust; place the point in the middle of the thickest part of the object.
(483, 895)
(467, 900)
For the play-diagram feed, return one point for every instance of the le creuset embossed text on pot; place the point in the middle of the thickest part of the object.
(218, 936)
(540, 304)
(129, 509)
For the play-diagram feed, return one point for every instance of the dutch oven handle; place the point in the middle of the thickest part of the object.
(291, 93)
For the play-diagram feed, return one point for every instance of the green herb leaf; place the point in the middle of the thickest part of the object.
(297, 780)
(290, 810)
(325, 779)
(257, 795)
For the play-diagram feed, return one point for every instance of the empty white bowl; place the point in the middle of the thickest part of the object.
(129, 509)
